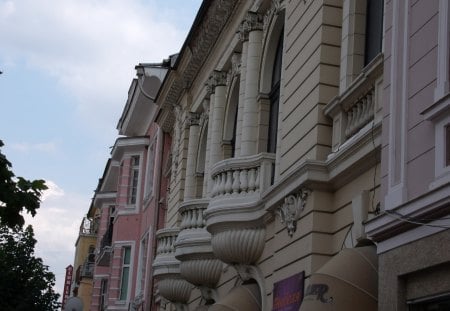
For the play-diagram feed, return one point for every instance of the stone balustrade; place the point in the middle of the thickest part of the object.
(360, 113)
(358, 105)
(242, 176)
(166, 239)
(192, 215)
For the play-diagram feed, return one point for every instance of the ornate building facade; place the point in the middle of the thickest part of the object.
(274, 108)
(301, 160)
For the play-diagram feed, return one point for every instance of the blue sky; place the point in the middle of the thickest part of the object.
(67, 66)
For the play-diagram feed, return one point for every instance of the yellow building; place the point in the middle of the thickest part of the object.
(84, 261)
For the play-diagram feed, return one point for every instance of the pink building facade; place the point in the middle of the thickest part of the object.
(412, 231)
(129, 199)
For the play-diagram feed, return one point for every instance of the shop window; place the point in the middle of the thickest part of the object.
(374, 30)
(125, 275)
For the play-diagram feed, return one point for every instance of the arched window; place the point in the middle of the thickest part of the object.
(275, 97)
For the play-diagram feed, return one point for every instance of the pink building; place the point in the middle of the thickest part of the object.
(412, 231)
(129, 199)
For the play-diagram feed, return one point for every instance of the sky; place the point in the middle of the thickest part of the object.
(67, 66)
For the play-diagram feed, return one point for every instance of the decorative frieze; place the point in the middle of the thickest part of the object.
(291, 209)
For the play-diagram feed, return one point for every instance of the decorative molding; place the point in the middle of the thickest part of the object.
(292, 208)
(239, 246)
(175, 290)
(275, 8)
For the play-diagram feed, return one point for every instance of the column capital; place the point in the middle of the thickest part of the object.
(192, 118)
(253, 21)
(217, 78)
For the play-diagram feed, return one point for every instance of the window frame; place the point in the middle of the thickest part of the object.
(133, 184)
(124, 287)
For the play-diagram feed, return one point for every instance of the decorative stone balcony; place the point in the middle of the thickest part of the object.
(235, 216)
(357, 106)
(166, 269)
(193, 248)
(237, 187)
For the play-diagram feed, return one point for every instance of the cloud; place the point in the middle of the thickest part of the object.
(90, 47)
(56, 227)
(47, 147)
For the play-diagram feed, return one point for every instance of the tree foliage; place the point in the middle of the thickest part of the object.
(25, 282)
(17, 194)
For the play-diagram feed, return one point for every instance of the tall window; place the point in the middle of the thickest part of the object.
(103, 294)
(374, 29)
(143, 263)
(125, 276)
(275, 97)
(149, 171)
(134, 175)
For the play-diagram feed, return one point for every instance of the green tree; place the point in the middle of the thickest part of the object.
(25, 282)
(17, 194)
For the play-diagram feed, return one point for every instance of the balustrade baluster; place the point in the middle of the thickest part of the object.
(236, 182)
(229, 182)
(244, 181)
(251, 180)
(257, 179)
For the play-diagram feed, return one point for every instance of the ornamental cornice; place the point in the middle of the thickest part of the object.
(197, 47)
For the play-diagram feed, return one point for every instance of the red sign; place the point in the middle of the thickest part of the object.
(288, 293)
(67, 285)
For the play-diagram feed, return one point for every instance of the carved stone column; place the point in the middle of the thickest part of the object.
(190, 188)
(251, 31)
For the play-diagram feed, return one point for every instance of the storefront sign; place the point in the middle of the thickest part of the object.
(67, 285)
(288, 293)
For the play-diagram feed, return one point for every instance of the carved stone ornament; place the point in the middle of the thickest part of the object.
(292, 208)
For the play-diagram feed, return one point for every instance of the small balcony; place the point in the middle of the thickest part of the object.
(166, 268)
(235, 215)
(88, 227)
(357, 106)
(198, 265)
(104, 256)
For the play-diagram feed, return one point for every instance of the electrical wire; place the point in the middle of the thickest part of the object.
(404, 218)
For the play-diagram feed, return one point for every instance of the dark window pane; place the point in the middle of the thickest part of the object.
(275, 97)
(374, 29)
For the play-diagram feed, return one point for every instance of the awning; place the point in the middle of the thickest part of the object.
(349, 281)
(245, 297)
